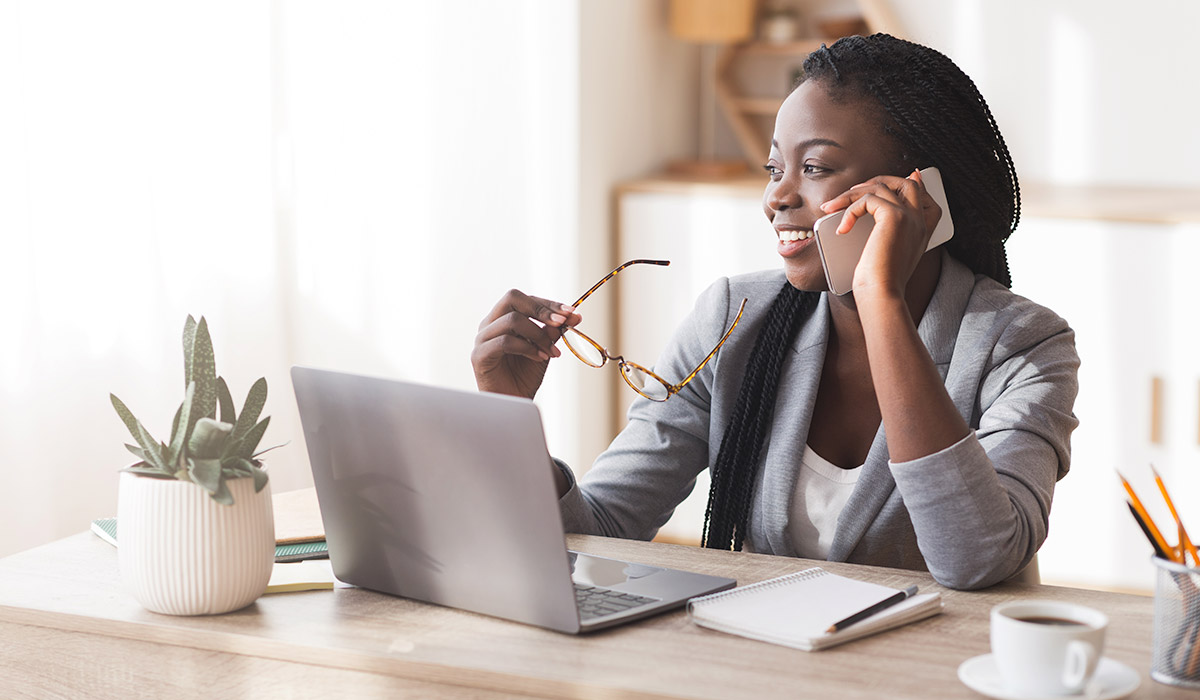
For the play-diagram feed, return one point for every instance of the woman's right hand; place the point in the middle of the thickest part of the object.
(516, 341)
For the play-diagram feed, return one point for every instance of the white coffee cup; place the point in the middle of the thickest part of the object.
(1047, 647)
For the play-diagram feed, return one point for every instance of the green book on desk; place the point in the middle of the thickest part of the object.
(106, 529)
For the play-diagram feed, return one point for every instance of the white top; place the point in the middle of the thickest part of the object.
(822, 490)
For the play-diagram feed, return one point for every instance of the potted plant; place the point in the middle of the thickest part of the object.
(196, 531)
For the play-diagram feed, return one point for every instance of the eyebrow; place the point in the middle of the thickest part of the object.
(803, 145)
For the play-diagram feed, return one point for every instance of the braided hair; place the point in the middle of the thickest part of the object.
(936, 116)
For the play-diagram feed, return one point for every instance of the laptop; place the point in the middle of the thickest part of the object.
(448, 497)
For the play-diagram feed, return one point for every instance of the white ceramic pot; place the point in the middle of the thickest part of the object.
(182, 553)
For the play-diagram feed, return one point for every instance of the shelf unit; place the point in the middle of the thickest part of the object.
(751, 117)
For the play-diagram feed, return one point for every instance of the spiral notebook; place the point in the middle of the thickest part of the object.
(796, 610)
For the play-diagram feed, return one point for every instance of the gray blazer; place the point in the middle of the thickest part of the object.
(972, 514)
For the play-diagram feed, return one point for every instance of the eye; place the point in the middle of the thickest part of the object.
(773, 171)
(810, 169)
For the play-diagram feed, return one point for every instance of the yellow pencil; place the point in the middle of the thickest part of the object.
(1184, 540)
(1154, 531)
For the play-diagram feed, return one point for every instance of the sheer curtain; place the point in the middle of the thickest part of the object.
(346, 185)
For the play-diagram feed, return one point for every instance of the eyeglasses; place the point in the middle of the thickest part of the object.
(640, 379)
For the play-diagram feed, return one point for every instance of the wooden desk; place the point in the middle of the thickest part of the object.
(68, 630)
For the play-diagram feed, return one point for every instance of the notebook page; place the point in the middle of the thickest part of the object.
(803, 605)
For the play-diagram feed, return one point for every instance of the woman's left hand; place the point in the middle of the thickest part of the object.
(905, 217)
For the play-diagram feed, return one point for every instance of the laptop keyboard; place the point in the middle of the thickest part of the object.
(596, 602)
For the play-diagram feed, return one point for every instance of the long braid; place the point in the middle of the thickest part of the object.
(729, 497)
(937, 117)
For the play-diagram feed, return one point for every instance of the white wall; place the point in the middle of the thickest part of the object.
(314, 191)
(637, 89)
(1084, 91)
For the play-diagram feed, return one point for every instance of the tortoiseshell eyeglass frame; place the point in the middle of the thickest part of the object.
(624, 364)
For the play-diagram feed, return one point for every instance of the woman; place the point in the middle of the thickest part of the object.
(920, 421)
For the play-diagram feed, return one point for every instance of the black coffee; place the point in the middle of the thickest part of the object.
(1059, 621)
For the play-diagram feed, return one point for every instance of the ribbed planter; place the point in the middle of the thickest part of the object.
(182, 553)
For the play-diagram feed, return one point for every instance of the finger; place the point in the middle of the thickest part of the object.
(859, 191)
(912, 191)
(919, 197)
(488, 355)
(545, 311)
(521, 326)
(867, 203)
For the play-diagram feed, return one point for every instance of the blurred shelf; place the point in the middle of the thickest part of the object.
(764, 106)
(799, 47)
(1130, 203)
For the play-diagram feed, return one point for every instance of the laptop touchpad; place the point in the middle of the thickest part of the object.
(609, 573)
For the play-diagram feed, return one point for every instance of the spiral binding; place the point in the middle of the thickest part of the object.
(777, 582)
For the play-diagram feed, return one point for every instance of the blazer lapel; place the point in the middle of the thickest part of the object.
(789, 431)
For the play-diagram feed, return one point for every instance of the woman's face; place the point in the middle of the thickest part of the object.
(821, 148)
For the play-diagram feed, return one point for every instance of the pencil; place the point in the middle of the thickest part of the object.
(1184, 540)
(1153, 532)
(881, 605)
(1158, 550)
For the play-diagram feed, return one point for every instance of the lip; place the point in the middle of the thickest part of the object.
(793, 248)
(790, 249)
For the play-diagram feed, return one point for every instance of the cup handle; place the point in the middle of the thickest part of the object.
(1081, 657)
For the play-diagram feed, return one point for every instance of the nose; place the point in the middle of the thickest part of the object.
(783, 195)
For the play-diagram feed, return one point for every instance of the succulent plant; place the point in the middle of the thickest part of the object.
(203, 449)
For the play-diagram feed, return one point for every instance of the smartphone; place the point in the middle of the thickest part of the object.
(840, 253)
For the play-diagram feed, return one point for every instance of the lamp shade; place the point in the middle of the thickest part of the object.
(712, 21)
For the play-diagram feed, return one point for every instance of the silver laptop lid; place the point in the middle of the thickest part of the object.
(440, 495)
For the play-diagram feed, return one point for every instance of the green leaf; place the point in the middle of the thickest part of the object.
(255, 400)
(175, 420)
(189, 338)
(260, 478)
(137, 451)
(143, 469)
(223, 496)
(249, 442)
(206, 473)
(182, 417)
(209, 439)
(125, 414)
(237, 466)
(152, 453)
(225, 400)
(152, 448)
(204, 373)
(273, 447)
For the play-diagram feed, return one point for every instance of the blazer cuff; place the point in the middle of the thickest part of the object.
(940, 455)
(962, 515)
(576, 515)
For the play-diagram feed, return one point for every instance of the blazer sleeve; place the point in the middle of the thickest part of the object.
(634, 486)
(981, 507)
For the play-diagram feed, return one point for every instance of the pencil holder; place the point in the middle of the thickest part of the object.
(1176, 653)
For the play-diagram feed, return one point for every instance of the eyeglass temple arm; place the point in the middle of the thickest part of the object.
(612, 274)
(712, 354)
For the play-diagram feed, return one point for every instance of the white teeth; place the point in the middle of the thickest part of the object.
(788, 236)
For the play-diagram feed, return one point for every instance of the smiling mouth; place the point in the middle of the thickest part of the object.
(787, 236)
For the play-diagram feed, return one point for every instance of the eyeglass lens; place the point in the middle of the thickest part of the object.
(583, 348)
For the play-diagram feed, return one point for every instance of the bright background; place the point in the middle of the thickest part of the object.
(352, 185)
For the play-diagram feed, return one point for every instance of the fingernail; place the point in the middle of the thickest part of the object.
(568, 308)
(543, 355)
(825, 206)
(557, 318)
(555, 351)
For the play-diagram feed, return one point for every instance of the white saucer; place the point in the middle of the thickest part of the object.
(1113, 680)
